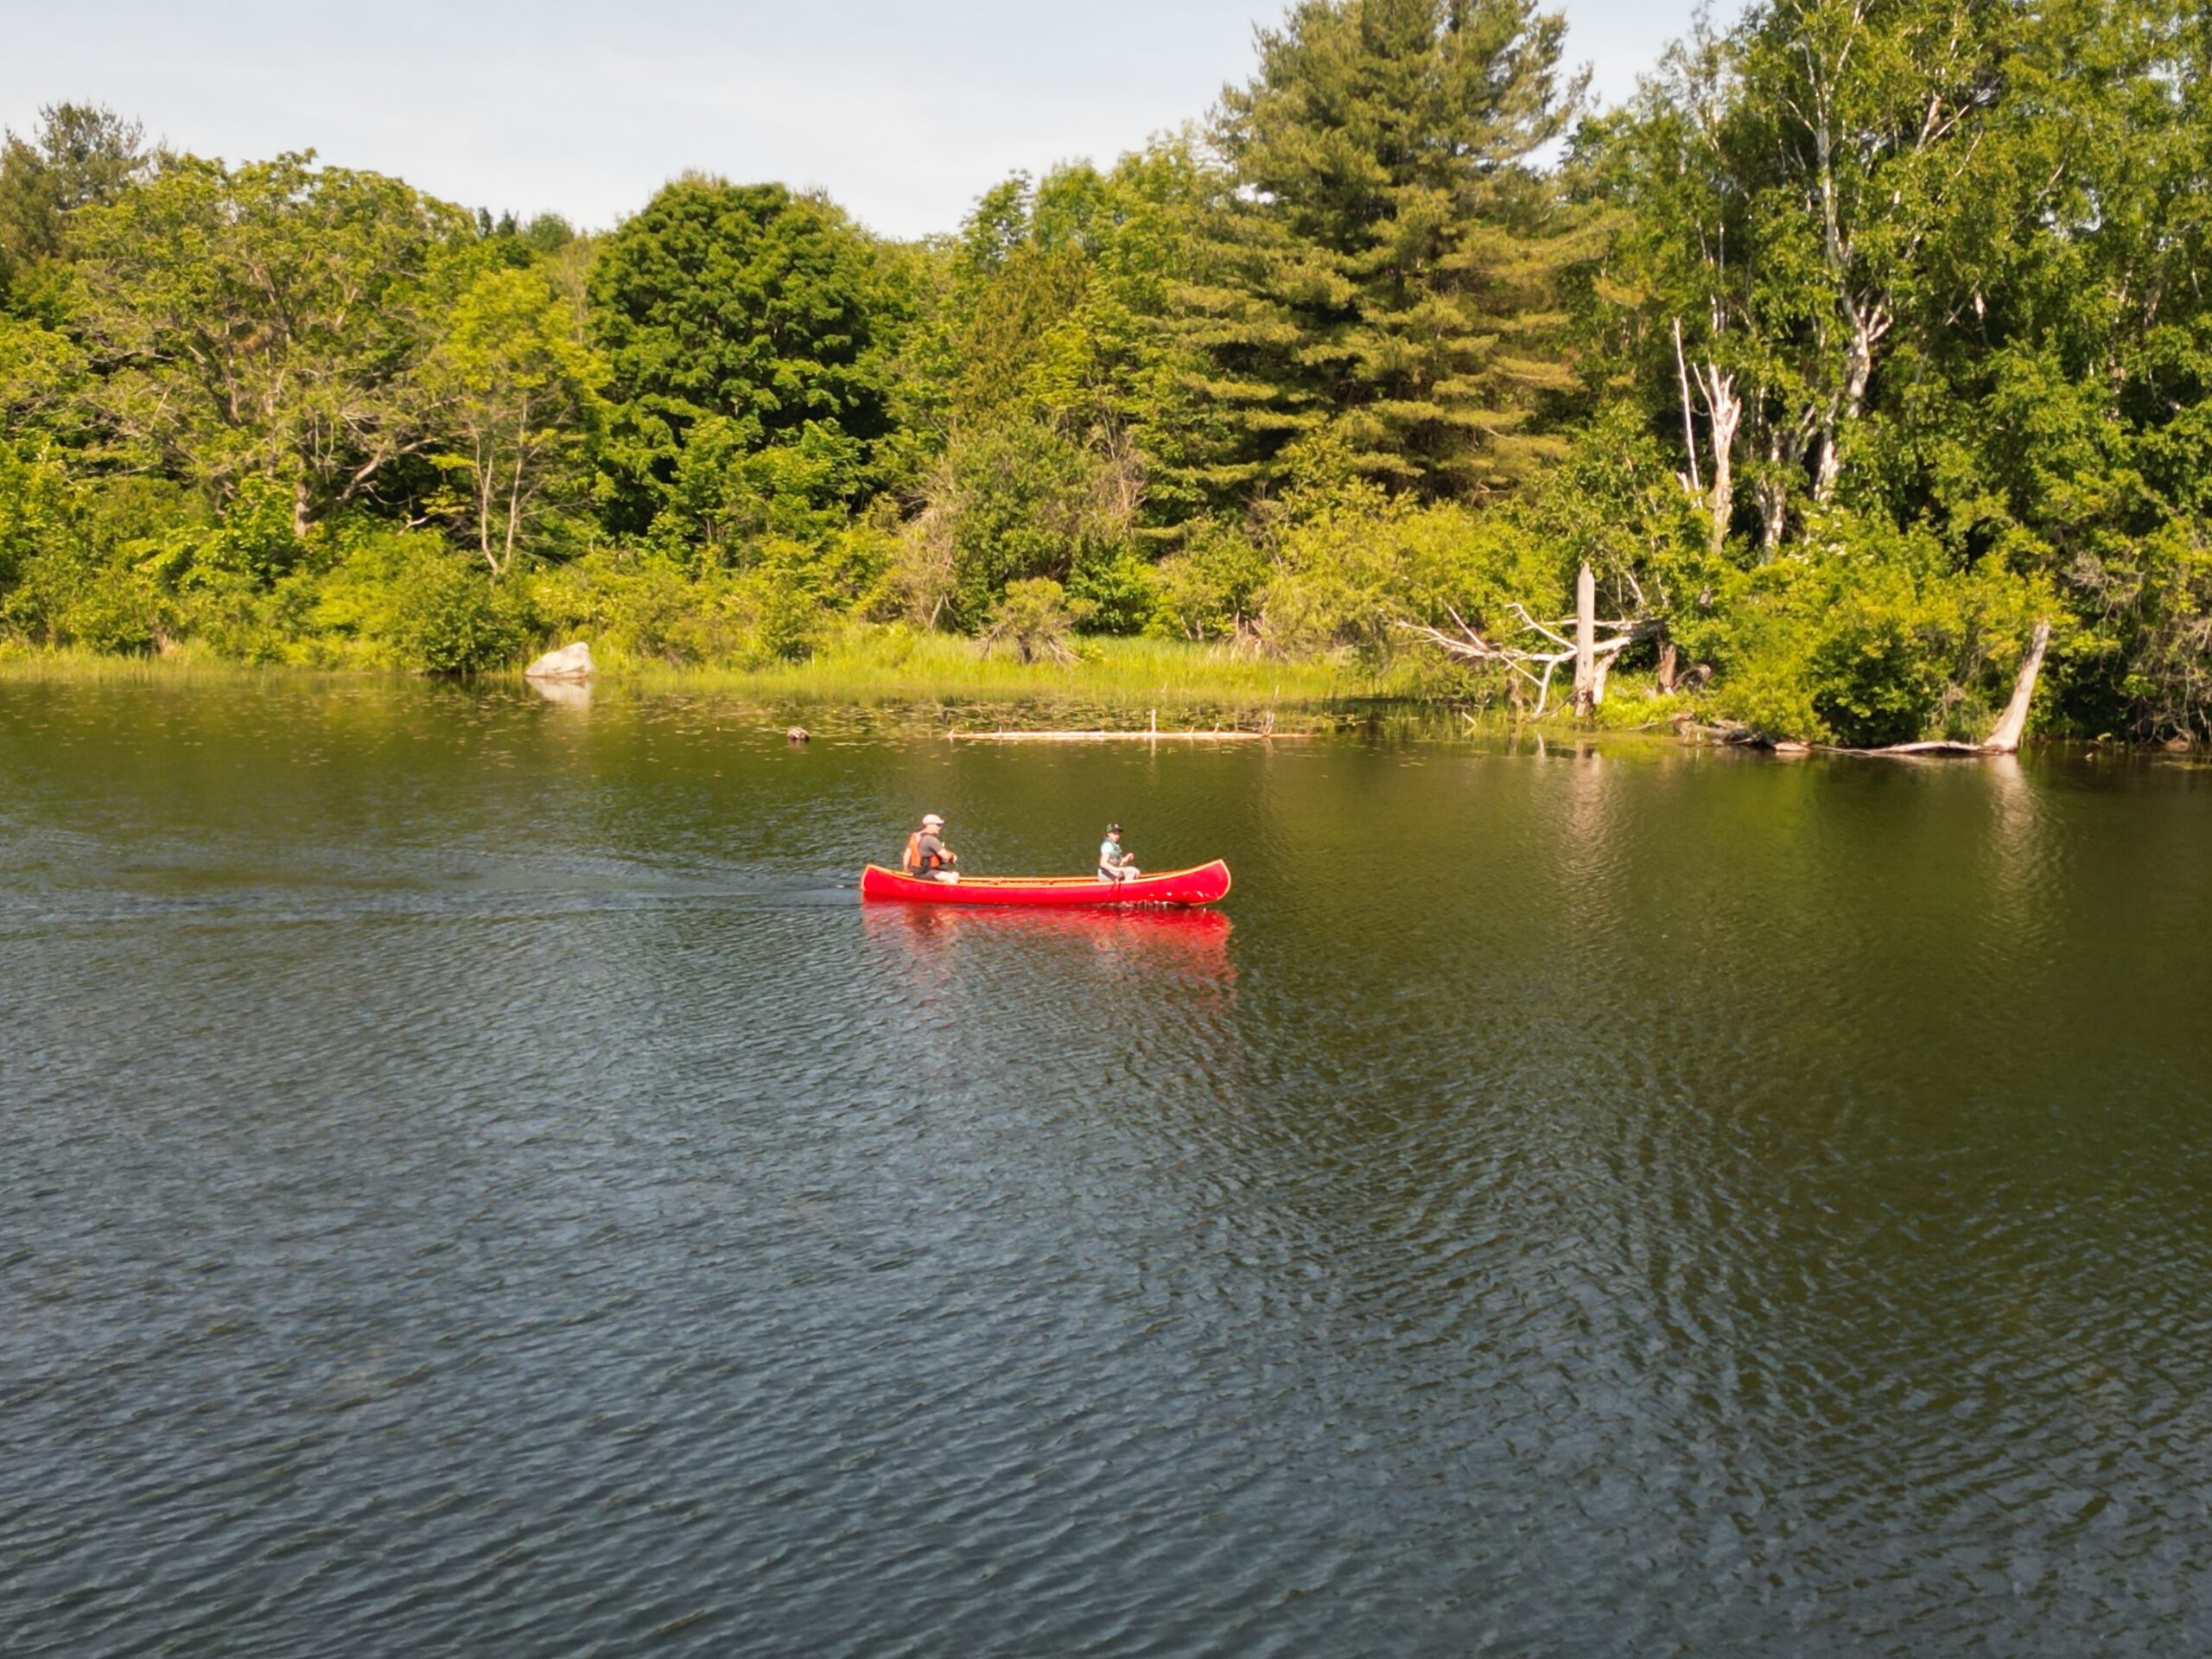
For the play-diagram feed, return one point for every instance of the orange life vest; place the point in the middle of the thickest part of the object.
(912, 860)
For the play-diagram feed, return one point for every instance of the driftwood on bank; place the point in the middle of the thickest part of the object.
(2003, 737)
(2012, 725)
(1593, 659)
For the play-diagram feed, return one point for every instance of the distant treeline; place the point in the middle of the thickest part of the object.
(1868, 335)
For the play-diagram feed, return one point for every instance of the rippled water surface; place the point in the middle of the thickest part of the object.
(473, 1179)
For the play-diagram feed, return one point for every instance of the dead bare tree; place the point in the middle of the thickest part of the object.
(1592, 657)
(1724, 413)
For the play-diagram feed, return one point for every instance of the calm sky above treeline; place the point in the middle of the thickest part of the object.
(903, 110)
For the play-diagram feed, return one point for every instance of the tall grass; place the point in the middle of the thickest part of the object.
(864, 663)
(27, 664)
(1129, 672)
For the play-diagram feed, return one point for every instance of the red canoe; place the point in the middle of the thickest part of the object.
(1202, 886)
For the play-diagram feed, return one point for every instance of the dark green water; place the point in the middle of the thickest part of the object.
(473, 1180)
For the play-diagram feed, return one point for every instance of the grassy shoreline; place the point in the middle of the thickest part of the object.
(1131, 673)
(1116, 684)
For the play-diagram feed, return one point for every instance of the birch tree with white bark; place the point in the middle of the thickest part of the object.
(520, 395)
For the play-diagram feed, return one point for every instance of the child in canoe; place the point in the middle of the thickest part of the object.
(1114, 864)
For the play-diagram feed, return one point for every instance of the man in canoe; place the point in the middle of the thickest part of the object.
(1114, 864)
(926, 856)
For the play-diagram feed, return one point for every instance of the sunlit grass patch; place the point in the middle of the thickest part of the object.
(73, 664)
(893, 661)
(872, 664)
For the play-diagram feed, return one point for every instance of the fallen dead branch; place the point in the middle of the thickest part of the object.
(1592, 657)
(2004, 738)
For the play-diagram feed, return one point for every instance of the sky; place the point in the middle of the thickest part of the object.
(903, 113)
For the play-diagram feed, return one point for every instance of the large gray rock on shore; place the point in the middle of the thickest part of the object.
(569, 662)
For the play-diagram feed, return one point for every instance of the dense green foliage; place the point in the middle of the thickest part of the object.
(1868, 335)
(1914, 290)
(744, 333)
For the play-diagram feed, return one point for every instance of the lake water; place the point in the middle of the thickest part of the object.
(474, 1180)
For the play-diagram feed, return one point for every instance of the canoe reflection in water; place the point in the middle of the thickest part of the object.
(1007, 955)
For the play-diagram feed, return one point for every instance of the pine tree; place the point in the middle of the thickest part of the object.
(1382, 265)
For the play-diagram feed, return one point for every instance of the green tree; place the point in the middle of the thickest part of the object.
(729, 493)
(1023, 319)
(82, 156)
(1035, 618)
(1066, 318)
(1023, 501)
(445, 618)
(746, 306)
(41, 382)
(1931, 266)
(268, 320)
(38, 509)
(516, 389)
(2049, 399)
(1790, 191)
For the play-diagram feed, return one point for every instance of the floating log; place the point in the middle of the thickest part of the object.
(1126, 737)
